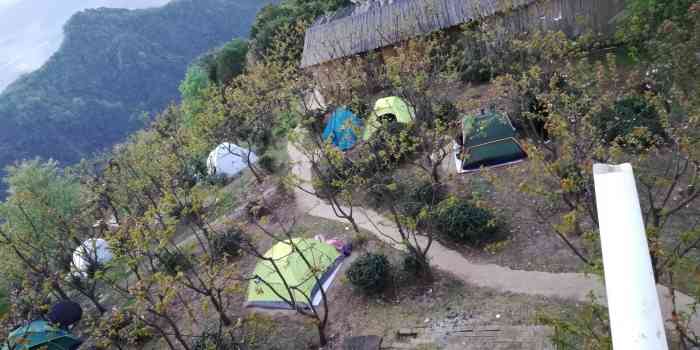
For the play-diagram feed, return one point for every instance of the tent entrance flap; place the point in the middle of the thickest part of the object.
(392, 108)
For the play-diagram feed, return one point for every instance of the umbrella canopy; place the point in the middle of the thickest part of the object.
(41, 335)
(323, 258)
(489, 140)
(341, 128)
(394, 106)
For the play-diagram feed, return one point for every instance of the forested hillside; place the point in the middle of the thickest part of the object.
(113, 66)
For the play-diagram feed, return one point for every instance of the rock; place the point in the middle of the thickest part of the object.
(367, 342)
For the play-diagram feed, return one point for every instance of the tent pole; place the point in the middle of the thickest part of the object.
(635, 315)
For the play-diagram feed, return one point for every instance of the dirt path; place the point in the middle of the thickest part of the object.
(569, 286)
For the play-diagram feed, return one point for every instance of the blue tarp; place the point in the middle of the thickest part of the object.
(341, 129)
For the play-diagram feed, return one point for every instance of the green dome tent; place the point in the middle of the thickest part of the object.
(40, 335)
(323, 258)
(488, 141)
(388, 106)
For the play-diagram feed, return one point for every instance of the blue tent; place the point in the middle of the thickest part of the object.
(341, 129)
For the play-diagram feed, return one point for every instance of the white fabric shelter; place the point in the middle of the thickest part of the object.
(228, 159)
(96, 249)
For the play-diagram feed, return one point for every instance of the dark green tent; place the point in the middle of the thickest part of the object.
(488, 140)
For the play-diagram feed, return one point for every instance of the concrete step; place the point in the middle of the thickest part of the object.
(473, 338)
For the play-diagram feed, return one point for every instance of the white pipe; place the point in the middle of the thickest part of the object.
(633, 304)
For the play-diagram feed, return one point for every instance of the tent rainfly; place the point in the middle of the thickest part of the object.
(488, 141)
(229, 160)
(40, 335)
(341, 129)
(388, 108)
(267, 289)
(92, 250)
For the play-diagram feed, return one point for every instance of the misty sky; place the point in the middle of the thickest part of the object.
(31, 30)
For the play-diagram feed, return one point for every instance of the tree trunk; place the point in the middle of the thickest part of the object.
(354, 224)
(323, 340)
(93, 298)
(435, 174)
(222, 314)
(59, 291)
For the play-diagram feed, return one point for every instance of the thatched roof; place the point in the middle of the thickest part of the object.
(379, 23)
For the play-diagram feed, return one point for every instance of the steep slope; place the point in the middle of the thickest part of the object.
(31, 31)
(113, 66)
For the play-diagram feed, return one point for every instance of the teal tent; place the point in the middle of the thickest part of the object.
(341, 129)
(488, 140)
(40, 335)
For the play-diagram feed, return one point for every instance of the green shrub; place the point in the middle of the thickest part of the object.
(359, 240)
(446, 111)
(268, 163)
(174, 262)
(216, 180)
(418, 195)
(572, 177)
(412, 264)
(328, 177)
(462, 221)
(621, 123)
(227, 245)
(379, 191)
(409, 194)
(216, 340)
(370, 273)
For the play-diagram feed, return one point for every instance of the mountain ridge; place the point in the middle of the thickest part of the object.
(113, 66)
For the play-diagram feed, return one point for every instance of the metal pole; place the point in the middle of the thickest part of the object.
(633, 302)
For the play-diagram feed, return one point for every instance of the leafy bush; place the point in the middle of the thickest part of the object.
(328, 177)
(446, 111)
(370, 273)
(216, 340)
(195, 170)
(275, 20)
(227, 244)
(174, 262)
(256, 210)
(410, 195)
(418, 195)
(230, 61)
(216, 180)
(572, 177)
(477, 61)
(621, 123)
(412, 264)
(462, 221)
(359, 240)
(268, 163)
(379, 191)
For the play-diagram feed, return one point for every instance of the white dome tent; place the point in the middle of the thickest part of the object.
(95, 249)
(229, 160)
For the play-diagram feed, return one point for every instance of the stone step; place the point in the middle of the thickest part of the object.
(474, 338)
